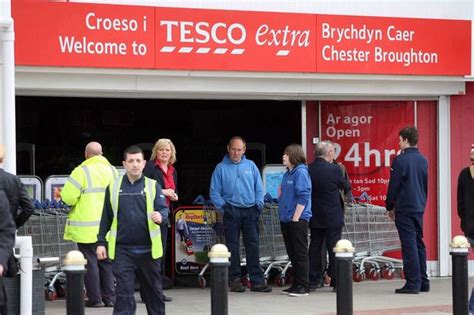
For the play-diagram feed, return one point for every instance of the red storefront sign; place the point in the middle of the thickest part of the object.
(119, 36)
(366, 138)
(392, 45)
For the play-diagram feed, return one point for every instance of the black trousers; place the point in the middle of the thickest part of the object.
(164, 240)
(99, 280)
(332, 235)
(295, 236)
(3, 298)
(125, 265)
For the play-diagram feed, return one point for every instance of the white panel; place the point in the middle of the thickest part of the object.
(227, 85)
(444, 186)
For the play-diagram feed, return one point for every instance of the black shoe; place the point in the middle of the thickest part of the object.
(167, 298)
(94, 305)
(406, 291)
(261, 288)
(237, 286)
(109, 304)
(299, 291)
(425, 289)
(287, 290)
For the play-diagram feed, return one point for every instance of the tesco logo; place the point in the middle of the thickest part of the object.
(202, 32)
(229, 37)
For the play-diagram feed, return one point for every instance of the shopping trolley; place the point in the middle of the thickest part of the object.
(213, 223)
(372, 233)
(46, 228)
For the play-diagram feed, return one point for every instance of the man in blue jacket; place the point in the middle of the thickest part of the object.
(237, 191)
(406, 201)
(328, 213)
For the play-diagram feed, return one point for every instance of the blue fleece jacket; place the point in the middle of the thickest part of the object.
(408, 186)
(295, 189)
(237, 184)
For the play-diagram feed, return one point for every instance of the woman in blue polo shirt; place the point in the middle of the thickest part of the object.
(294, 209)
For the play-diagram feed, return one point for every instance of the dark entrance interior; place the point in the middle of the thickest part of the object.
(60, 127)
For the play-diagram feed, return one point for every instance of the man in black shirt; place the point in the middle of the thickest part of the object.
(466, 207)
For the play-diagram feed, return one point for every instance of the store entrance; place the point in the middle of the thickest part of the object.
(59, 128)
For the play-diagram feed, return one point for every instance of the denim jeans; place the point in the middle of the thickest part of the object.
(246, 220)
(410, 231)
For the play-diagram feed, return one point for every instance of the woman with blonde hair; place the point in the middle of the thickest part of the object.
(160, 168)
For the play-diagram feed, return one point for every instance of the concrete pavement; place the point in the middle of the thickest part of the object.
(370, 297)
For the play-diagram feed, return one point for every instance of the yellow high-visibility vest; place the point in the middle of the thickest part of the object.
(85, 192)
(153, 228)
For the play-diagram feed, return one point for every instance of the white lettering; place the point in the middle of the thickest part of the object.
(282, 37)
(406, 58)
(121, 25)
(84, 46)
(399, 35)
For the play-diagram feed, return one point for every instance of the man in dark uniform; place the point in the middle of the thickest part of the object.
(134, 208)
(7, 241)
(328, 215)
(406, 201)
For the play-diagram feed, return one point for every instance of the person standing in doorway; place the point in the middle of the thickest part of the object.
(405, 203)
(328, 215)
(237, 191)
(134, 208)
(466, 207)
(85, 191)
(160, 168)
(294, 210)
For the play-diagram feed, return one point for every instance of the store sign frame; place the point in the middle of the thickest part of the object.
(140, 37)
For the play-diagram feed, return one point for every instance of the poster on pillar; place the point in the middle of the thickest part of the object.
(366, 138)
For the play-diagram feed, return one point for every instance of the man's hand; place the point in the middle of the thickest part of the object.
(156, 217)
(1, 271)
(101, 252)
(391, 214)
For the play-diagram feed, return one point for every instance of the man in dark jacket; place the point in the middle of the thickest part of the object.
(328, 215)
(7, 241)
(17, 195)
(466, 207)
(406, 201)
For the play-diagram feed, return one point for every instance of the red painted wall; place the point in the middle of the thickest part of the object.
(427, 123)
(462, 136)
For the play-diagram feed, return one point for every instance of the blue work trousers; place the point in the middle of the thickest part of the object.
(410, 231)
(124, 266)
(246, 220)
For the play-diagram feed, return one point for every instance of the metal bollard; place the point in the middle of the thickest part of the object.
(219, 261)
(459, 251)
(344, 255)
(74, 267)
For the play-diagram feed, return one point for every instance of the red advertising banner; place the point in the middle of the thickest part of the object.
(234, 40)
(72, 34)
(366, 138)
(51, 33)
(362, 44)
